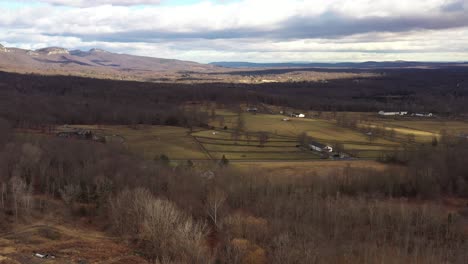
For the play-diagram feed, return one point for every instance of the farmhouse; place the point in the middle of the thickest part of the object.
(316, 146)
(300, 115)
(383, 113)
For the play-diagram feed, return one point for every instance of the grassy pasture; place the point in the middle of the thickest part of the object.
(284, 170)
(152, 141)
(423, 130)
(324, 131)
(266, 156)
(182, 144)
(219, 143)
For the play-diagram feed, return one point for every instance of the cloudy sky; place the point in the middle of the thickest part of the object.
(245, 30)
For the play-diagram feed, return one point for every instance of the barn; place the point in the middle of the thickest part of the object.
(316, 146)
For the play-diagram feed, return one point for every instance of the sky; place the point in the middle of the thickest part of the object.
(245, 30)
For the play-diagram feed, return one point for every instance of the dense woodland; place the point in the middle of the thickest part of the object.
(32, 100)
(185, 215)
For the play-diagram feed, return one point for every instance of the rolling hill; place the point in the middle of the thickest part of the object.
(95, 63)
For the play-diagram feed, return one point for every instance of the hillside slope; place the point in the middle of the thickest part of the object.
(95, 63)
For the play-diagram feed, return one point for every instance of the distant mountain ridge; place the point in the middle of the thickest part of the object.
(98, 63)
(362, 65)
(94, 63)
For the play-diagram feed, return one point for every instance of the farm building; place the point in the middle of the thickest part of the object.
(300, 115)
(81, 134)
(383, 113)
(316, 146)
(76, 133)
(422, 114)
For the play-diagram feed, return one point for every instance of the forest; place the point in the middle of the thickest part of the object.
(34, 100)
(217, 213)
(184, 215)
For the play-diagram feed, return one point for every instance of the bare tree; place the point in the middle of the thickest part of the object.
(214, 203)
(128, 210)
(221, 121)
(263, 138)
(69, 194)
(4, 193)
(173, 235)
(18, 189)
(303, 139)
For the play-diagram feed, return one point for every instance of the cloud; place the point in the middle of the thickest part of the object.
(256, 29)
(327, 25)
(91, 3)
(454, 6)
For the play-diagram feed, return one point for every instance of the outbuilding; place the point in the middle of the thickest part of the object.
(316, 146)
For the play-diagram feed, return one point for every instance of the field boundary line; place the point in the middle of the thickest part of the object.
(202, 147)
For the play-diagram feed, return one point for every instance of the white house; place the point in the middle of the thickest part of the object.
(300, 115)
(383, 113)
(316, 146)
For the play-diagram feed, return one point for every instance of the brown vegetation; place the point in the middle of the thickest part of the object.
(173, 215)
(218, 214)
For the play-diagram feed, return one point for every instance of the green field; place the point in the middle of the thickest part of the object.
(282, 144)
(324, 131)
(423, 130)
(152, 141)
(221, 142)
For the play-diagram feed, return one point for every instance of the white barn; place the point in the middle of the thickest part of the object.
(300, 115)
(383, 113)
(316, 146)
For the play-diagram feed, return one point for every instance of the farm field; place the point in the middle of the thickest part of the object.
(323, 131)
(282, 138)
(281, 170)
(152, 141)
(248, 147)
(423, 130)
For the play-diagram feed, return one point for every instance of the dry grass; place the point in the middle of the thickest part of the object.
(152, 141)
(324, 131)
(301, 168)
(423, 130)
(67, 244)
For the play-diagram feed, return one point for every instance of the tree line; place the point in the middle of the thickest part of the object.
(34, 100)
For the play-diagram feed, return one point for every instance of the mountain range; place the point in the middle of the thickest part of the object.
(99, 63)
(94, 63)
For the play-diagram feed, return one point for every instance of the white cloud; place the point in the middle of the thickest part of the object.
(260, 30)
(89, 3)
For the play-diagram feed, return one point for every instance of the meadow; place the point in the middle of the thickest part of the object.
(282, 142)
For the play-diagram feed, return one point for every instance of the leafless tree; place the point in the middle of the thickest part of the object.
(263, 138)
(69, 194)
(173, 235)
(214, 203)
(4, 193)
(19, 190)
